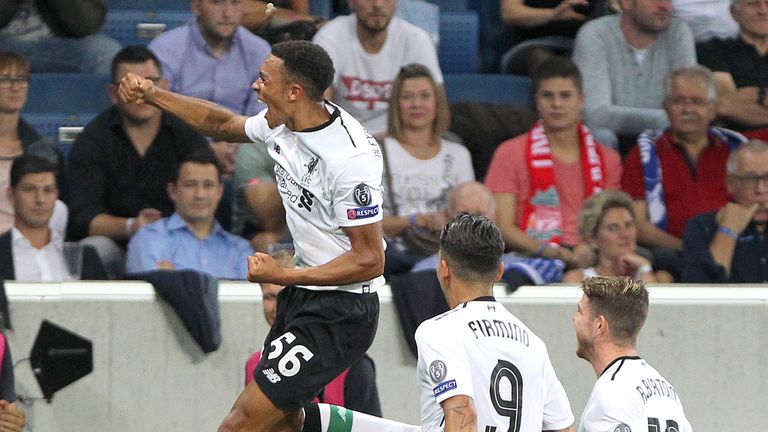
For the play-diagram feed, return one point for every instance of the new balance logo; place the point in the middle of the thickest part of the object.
(271, 375)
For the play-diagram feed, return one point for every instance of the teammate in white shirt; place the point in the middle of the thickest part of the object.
(478, 363)
(629, 395)
(328, 172)
(480, 368)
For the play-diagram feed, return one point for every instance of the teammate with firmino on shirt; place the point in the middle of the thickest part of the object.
(629, 395)
(480, 367)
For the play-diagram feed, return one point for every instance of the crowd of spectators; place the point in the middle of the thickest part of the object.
(631, 90)
(675, 87)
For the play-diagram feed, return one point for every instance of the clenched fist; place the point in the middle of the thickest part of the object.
(135, 89)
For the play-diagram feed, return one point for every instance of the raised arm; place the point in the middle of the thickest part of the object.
(206, 117)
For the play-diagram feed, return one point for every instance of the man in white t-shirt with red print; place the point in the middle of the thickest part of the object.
(328, 172)
(368, 49)
(629, 395)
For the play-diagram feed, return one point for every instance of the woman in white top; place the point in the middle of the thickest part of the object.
(420, 167)
(607, 222)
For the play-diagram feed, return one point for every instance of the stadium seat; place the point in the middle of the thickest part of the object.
(144, 5)
(66, 93)
(495, 37)
(135, 27)
(493, 88)
(323, 8)
(459, 33)
(450, 5)
(59, 128)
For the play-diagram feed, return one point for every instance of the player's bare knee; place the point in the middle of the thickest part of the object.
(239, 419)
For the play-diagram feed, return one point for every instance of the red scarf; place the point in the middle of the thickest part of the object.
(542, 215)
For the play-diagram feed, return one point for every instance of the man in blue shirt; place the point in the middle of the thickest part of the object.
(213, 57)
(730, 245)
(191, 238)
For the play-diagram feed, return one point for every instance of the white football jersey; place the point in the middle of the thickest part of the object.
(631, 396)
(329, 177)
(479, 349)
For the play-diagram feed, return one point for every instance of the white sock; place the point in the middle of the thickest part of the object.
(333, 418)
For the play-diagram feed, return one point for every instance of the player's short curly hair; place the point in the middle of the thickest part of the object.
(472, 245)
(308, 64)
(623, 301)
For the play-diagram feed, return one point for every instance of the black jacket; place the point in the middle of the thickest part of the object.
(92, 266)
(66, 18)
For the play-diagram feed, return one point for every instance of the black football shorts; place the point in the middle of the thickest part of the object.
(315, 337)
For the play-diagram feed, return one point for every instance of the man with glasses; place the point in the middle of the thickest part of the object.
(120, 164)
(678, 172)
(20, 82)
(730, 245)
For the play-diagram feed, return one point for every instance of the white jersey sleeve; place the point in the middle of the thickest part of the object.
(357, 194)
(611, 410)
(447, 367)
(256, 127)
(557, 407)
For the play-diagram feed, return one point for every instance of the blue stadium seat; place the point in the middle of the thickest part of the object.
(135, 27)
(450, 5)
(494, 88)
(495, 37)
(59, 128)
(144, 5)
(459, 33)
(66, 93)
(323, 8)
